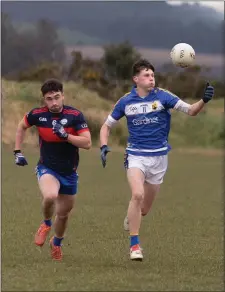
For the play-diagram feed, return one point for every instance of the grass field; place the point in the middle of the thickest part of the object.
(182, 237)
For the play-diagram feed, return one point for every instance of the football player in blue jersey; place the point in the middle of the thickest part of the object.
(147, 111)
(62, 131)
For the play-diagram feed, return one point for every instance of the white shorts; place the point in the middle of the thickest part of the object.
(154, 167)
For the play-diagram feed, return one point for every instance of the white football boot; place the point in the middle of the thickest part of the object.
(136, 253)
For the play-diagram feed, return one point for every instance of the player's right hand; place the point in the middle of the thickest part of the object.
(104, 151)
(19, 158)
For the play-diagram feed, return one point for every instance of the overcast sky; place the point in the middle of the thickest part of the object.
(218, 5)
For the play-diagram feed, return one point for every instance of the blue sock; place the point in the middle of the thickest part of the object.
(134, 239)
(48, 222)
(57, 241)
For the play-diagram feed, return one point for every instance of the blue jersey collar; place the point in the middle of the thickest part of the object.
(134, 91)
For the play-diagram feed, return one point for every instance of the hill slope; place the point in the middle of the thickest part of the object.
(204, 130)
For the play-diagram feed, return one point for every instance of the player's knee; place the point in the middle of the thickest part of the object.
(138, 196)
(50, 196)
(63, 216)
(143, 213)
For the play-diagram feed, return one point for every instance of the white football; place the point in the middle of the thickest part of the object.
(182, 55)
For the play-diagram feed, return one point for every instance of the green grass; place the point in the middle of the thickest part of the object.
(182, 237)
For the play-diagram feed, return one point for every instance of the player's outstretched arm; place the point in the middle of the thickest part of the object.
(195, 108)
(20, 135)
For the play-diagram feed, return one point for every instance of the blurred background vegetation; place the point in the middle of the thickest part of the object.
(34, 52)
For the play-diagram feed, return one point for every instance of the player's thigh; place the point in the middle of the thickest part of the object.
(69, 184)
(48, 182)
(149, 196)
(49, 186)
(67, 194)
(136, 178)
(150, 191)
(156, 169)
(64, 204)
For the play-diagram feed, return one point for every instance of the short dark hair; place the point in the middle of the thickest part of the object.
(140, 65)
(51, 85)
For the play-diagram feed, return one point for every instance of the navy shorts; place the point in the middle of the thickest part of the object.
(68, 184)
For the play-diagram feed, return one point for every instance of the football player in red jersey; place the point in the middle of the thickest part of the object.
(62, 131)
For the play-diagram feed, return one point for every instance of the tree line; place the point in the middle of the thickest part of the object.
(38, 55)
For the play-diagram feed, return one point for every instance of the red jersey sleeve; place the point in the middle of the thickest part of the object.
(30, 119)
(80, 124)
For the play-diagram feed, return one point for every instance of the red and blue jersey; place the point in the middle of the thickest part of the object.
(55, 153)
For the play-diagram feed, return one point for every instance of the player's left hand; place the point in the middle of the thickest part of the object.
(208, 93)
(59, 130)
(104, 151)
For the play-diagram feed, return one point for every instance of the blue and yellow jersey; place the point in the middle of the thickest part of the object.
(148, 120)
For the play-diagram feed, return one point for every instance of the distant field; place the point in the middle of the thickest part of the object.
(156, 55)
(182, 238)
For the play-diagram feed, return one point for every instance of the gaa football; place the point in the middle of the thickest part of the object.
(182, 55)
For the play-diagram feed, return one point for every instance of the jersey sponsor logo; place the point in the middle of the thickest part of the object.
(63, 122)
(41, 119)
(133, 108)
(54, 122)
(145, 121)
(143, 108)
